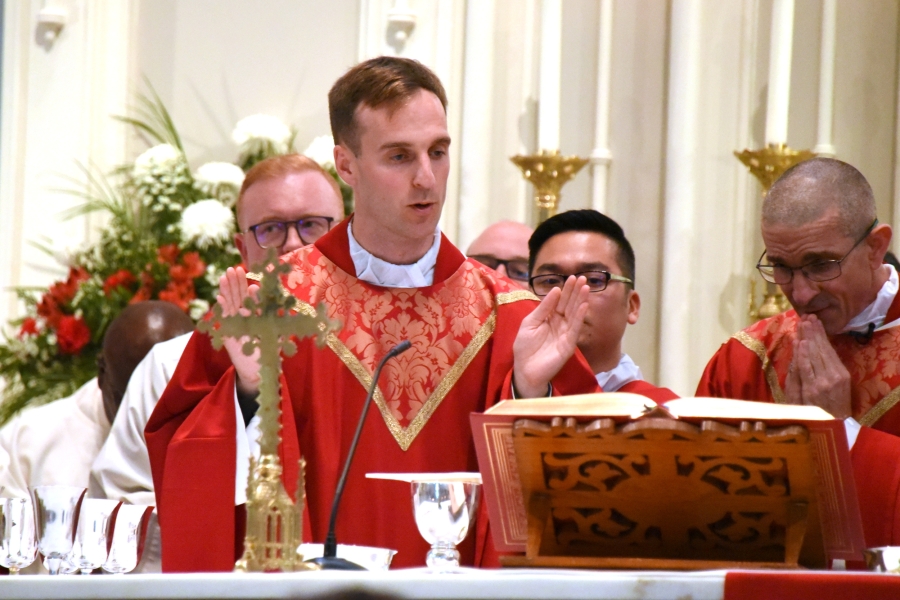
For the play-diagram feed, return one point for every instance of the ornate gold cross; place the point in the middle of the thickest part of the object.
(274, 522)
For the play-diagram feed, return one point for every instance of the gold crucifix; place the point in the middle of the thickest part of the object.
(274, 521)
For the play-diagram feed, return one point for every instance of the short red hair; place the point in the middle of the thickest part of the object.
(277, 167)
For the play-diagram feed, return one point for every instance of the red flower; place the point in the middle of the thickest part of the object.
(179, 293)
(63, 291)
(49, 309)
(146, 290)
(167, 254)
(122, 278)
(29, 327)
(72, 334)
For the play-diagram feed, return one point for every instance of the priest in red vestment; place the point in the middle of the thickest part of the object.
(388, 275)
(588, 243)
(839, 346)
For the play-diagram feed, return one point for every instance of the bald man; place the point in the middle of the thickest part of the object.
(838, 348)
(285, 202)
(55, 444)
(504, 247)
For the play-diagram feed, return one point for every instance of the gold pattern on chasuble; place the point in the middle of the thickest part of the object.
(448, 324)
(873, 367)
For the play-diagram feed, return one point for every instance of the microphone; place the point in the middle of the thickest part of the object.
(329, 560)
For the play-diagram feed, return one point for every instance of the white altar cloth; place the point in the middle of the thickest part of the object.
(523, 584)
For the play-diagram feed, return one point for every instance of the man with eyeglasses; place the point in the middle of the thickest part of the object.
(503, 247)
(388, 274)
(839, 348)
(285, 203)
(589, 244)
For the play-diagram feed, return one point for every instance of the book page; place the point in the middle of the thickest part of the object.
(720, 408)
(605, 404)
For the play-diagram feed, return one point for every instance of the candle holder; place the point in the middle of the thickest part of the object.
(548, 172)
(767, 165)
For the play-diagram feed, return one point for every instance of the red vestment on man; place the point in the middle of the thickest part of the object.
(462, 329)
(644, 388)
(753, 365)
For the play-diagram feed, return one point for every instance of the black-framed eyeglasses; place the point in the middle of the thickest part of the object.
(596, 281)
(273, 234)
(819, 270)
(515, 269)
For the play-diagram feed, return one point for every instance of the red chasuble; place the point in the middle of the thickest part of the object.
(644, 388)
(753, 365)
(462, 330)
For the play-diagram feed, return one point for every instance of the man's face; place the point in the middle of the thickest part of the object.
(610, 311)
(399, 176)
(837, 301)
(289, 198)
(504, 247)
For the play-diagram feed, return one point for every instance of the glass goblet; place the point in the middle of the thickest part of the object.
(128, 527)
(444, 511)
(56, 516)
(18, 546)
(92, 538)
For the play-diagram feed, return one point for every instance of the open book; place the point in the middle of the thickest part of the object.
(838, 507)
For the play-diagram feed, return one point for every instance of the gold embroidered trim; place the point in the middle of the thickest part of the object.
(508, 297)
(881, 408)
(757, 347)
(405, 436)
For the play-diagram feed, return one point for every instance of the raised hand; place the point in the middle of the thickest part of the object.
(547, 337)
(816, 375)
(233, 289)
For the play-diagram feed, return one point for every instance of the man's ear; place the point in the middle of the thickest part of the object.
(345, 164)
(241, 246)
(879, 241)
(634, 307)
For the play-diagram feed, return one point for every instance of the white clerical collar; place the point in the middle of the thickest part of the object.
(376, 271)
(876, 312)
(624, 372)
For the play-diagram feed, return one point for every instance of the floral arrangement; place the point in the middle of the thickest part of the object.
(169, 237)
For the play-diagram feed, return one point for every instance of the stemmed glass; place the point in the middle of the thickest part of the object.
(444, 510)
(18, 546)
(129, 526)
(92, 539)
(56, 516)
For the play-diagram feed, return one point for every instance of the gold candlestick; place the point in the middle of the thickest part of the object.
(767, 165)
(548, 172)
(274, 521)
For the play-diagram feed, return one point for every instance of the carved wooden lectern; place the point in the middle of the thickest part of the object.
(614, 480)
(662, 493)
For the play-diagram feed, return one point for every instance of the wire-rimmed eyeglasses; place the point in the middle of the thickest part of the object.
(819, 270)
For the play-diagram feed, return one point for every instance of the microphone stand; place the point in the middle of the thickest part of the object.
(329, 560)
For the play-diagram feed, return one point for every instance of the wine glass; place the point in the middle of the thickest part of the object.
(56, 516)
(92, 538)
(18, 546)
(444, 511)
(128, 527)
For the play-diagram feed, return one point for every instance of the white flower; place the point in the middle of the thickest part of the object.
(206, 223)
(162, 157)
(321, 150)
(197, 308)
(262, 130)
(221, 180)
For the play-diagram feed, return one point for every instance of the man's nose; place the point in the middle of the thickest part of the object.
(501, 268)
(801, 290)
(292, 241)
(424, 177)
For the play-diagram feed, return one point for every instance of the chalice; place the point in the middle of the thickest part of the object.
(56, 509)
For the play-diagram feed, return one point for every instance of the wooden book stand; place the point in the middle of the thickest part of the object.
(658, 493)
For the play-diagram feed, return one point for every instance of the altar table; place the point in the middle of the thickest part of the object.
(523, 584)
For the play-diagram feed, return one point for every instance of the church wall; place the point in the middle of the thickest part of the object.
(688, 206)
